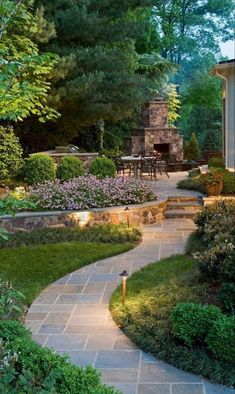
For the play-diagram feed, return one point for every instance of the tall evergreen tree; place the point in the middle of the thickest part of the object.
(96, 80)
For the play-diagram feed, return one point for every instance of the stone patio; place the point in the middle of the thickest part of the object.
(72, 316)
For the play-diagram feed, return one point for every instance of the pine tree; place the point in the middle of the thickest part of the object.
(192, 151)
(98, 78)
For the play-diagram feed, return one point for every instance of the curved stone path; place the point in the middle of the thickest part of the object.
(72, 316)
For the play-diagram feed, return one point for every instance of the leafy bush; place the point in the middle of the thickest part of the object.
(11, 330)
(39, 168)
(216, 162)
(227, 297)
(216, 225)
(228, 183)
(11, 205)
(11, 161)
(152, 293)
(221, 339)
(192, 151)
(217, 263)
(11, 302)
(90, 192)
(27, 367)
(104, 233)
(102, 167)
(69, 167)
(192, 183)
(197, 183)
(191, 322)
(216, 218)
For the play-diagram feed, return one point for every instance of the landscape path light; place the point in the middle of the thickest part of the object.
(127, 210)
(124, 276)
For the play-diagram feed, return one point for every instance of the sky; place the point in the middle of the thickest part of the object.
(228, 49)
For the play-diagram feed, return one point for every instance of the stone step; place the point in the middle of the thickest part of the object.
(181, 213)
(188, 205)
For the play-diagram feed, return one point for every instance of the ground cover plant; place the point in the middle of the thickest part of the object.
(107, 233)
(26, 367)
(197, 182)
(182, 309)
(90, 192)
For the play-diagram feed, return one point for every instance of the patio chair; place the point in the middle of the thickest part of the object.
(161, 166)
(123, 167)
(148, 166)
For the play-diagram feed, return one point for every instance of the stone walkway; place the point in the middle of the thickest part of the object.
(72, 316)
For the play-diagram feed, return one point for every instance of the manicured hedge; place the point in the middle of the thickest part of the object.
(191, 322)
(69, 167)
(39, 168)
(107, 233)
(102, 167)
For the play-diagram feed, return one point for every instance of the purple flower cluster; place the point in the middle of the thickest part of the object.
(90, 192)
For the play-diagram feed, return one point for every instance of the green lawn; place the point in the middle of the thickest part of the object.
(31, 269)
(151, 294)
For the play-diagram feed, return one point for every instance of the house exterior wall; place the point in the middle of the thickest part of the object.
(226, 71)
(230, 121)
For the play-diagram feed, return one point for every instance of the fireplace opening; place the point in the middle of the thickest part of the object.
(162, 148)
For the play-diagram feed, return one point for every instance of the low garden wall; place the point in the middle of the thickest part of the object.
(213, 199)
(147, 213)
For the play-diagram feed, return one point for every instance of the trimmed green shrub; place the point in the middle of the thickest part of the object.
(69, 167)
(102, 167)
(191, 322)
(192, 151)
(39, 168)
(11, 330)
(11, 161)
(227, 297)
(228, 183)
(192, 183)
(197, 182)
(217, 162)
(107, 233)
(221, 339)
(28, 368)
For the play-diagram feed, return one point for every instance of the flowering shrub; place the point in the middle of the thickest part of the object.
(91, 192)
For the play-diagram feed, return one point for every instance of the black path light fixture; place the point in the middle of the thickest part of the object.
(127, 210)
(124, 276)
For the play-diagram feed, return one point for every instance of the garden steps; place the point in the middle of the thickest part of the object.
(183, 207)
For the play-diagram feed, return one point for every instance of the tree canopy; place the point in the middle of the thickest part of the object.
(24, 82)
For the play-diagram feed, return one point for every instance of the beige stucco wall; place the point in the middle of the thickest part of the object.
(230, 121)
(226, 71)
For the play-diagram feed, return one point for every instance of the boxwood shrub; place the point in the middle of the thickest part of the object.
(69, 167)
(221, 339)
(217, 162)
(39, 168)
(191, 322)
(102, 167)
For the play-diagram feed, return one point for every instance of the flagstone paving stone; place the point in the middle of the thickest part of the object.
(72, 316)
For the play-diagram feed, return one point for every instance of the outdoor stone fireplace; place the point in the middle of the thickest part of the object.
(154, 133)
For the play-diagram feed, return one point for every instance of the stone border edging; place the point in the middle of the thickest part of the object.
(138, 214)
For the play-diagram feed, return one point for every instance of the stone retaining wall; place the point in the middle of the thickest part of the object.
(211, 200)
(136, 215)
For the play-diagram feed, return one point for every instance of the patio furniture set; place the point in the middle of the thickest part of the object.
(140, 166)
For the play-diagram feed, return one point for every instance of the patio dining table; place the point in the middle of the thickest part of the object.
(136, 162)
